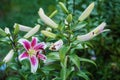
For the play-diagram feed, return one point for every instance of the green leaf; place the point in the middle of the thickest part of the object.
(79, 26)
(83, 75)
(2, 32)
(62, 52)
(69, 71)
(1, 63)
(63, 73)
(51, 57)
(75, 59)
(87, 60)
(16, 29)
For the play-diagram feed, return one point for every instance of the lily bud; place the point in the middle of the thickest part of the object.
(23, 28)
(56, 46)
(7, 31)
(46, 19)
(92, 33)
(48, 34)
(9, 56)
(53, 13)
(32, 31)
(69, 18)
(63, 7)
(16, 28)
(48, 29)
(87, 12)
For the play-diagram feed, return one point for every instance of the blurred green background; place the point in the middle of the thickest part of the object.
(106, 47)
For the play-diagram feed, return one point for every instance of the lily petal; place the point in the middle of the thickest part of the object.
(39, 46)
(34, 63)
(34, 41)
(25, 43)
(23, 56)
(41, 56)
(56, 46)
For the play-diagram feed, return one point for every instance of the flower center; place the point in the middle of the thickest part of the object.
(31, 52)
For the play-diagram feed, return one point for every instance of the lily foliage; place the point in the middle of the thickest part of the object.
(57, 56)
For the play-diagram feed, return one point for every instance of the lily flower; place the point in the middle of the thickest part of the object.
(33, 52)
(93, 33)
(56, 46)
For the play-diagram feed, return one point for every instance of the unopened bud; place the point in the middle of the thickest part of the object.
(87, 12)
(48, 34)
(63, 7)
(46, 19)
(8, 56)
(32, 31)
(69, 18)
(53, 13)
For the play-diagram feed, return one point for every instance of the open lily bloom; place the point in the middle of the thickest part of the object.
(33, 52)
(92, 33)
(56, 46)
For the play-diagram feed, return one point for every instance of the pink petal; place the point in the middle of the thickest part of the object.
(34, 41)
(41, 56)
(34, 63)
(25, 43)
(24, 55)
(39, 46)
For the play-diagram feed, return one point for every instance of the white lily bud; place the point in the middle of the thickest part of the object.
(7, 31)
(56, 46)
(32, 31)
(46, 19)
(87, 12)
(48, 34)
(23, 28)
(92, 33)
(48, 29)
(8, 56)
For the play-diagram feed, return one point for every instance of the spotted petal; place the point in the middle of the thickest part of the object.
(41, 56)
(34, 63)
(34, 41)
(23, 56)
(25, 43)
(39, 46)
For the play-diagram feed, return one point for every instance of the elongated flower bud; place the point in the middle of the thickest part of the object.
(53, 13)
(69, 18)
(8, 56)
(46, 19)
(7, 31)
(32, 31)
(48, 34)
(87, 12)
(63, 7)
(2, 32)
(92, 33)
(16, 28)
(22, 27)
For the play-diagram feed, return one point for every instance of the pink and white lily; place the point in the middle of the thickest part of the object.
(33, 52)
(57, 45)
